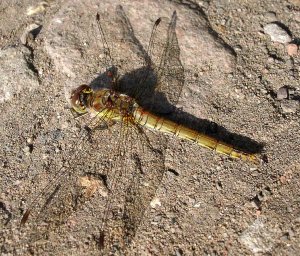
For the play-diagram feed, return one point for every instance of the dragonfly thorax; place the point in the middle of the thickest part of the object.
(104, 101)
(110, 100)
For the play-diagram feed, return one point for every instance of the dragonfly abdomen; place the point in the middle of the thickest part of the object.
(161, 124)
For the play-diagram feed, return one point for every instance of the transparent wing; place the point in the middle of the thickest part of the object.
(58, 202)
(134, 175)
(169, 69)
(149, 166)
(61, 190)
(121, 51)
(152, 74)
(160, 81)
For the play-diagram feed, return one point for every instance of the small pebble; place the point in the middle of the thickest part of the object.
(254, 204)
(266, 193)
(263, 91)
(17, 182)
(270, 60)
(219, 185)
(238, 48)
(291, 91)
(29, 140)
(197, 205)
(277, 33)
(290, 106)
(282, 93)
(41, 7)
(292, 49)
(270, 16)
(26, 149)
(30, 30)
(155, 202)
(285, 237)
(178, 252)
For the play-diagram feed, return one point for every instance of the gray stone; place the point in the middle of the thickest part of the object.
(277, 33)
(289, 106)
(282, 93)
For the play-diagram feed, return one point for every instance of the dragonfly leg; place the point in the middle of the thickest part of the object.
(105, 125)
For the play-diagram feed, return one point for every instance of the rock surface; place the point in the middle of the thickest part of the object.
(277, 33)
(204, 203)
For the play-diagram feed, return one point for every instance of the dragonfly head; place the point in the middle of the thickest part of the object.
(80, 98)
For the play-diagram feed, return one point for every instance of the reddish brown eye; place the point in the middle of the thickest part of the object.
(76, 102)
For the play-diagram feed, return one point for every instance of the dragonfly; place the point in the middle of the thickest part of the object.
(132, 103)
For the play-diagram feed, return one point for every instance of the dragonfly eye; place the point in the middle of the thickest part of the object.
(79, 98)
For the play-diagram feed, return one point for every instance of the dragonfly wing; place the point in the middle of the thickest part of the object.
(122, 50)
(153, 76)
(168, 68)
(136, 171)
(170, 71)
(149, 170)
(160, 85)
(52, 209)
(60, 192)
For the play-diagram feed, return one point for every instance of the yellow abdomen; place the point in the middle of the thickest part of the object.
(152, 121)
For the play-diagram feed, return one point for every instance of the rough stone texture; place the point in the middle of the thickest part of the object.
(282, 93)
(277, 33)
(292, 49)
(16, 74)
(205, 204)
